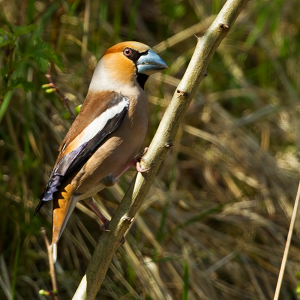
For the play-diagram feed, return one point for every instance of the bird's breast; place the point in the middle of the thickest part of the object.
(119, 148)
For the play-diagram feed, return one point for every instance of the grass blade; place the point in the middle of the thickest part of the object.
(5, 104)
(13, 288)
(185, 292)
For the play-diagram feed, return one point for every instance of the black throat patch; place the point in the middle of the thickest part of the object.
(134, 56)
(141, 79)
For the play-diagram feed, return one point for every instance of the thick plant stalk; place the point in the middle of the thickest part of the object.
(158, 148)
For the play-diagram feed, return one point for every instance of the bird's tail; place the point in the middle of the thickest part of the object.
(54, 252)
(63, 205)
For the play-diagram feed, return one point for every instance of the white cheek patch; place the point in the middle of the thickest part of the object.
(99, 123)
(104, 80)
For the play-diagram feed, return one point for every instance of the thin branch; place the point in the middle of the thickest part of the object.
(59, 93)
(51, 266)
(287, 245)
(160, 144)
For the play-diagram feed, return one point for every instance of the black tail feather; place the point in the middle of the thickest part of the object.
(39, 206)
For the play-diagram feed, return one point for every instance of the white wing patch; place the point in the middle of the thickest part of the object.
(98, 124)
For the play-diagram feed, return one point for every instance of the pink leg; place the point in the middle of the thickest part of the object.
(134, 162)
(91, 204)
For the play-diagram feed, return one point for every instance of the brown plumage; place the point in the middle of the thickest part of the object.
(107, 133)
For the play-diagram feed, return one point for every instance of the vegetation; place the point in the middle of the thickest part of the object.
(214, 224)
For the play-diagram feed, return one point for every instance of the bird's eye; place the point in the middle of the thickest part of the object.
(127, 51)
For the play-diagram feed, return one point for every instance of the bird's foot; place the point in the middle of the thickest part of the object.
(134, 162)
(123, 240)
(139, 168)
(105, 226)
(138, 160)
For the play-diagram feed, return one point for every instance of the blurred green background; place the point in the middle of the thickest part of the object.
(214, 224)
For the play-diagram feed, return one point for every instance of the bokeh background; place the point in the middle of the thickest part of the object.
(215, 221)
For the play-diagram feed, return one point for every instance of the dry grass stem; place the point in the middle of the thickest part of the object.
(51, 265)
(287, 245)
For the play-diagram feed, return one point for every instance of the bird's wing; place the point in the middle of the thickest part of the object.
(100, 115)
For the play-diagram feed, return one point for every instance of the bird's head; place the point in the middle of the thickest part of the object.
(126, 63)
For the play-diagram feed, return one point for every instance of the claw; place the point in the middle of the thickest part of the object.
(145, 151)
(139, 157)
(104, 226)
(134, 162)
(123, 240)
(140, 169)
(138, 160)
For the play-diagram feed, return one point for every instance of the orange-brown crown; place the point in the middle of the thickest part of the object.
(131, 44)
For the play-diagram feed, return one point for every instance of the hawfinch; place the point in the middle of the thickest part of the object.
(106, 135)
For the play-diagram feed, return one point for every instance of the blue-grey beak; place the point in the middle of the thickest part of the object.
(150, 63)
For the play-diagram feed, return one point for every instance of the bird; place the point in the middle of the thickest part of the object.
(104, 139)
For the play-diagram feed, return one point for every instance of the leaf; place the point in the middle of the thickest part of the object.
(21, 30)
(179, 10)
(5, 38)
(57, 59)
(47, 85)
(5, 33)
(77, 109)
(49, 91)
(42, 63)
(4, 70)
(21, 83)
(298, 290)
(66, 115)
(4, 42)
(44, 51)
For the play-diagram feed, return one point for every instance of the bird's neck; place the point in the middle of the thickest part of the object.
(105, 79)
(109, 77)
